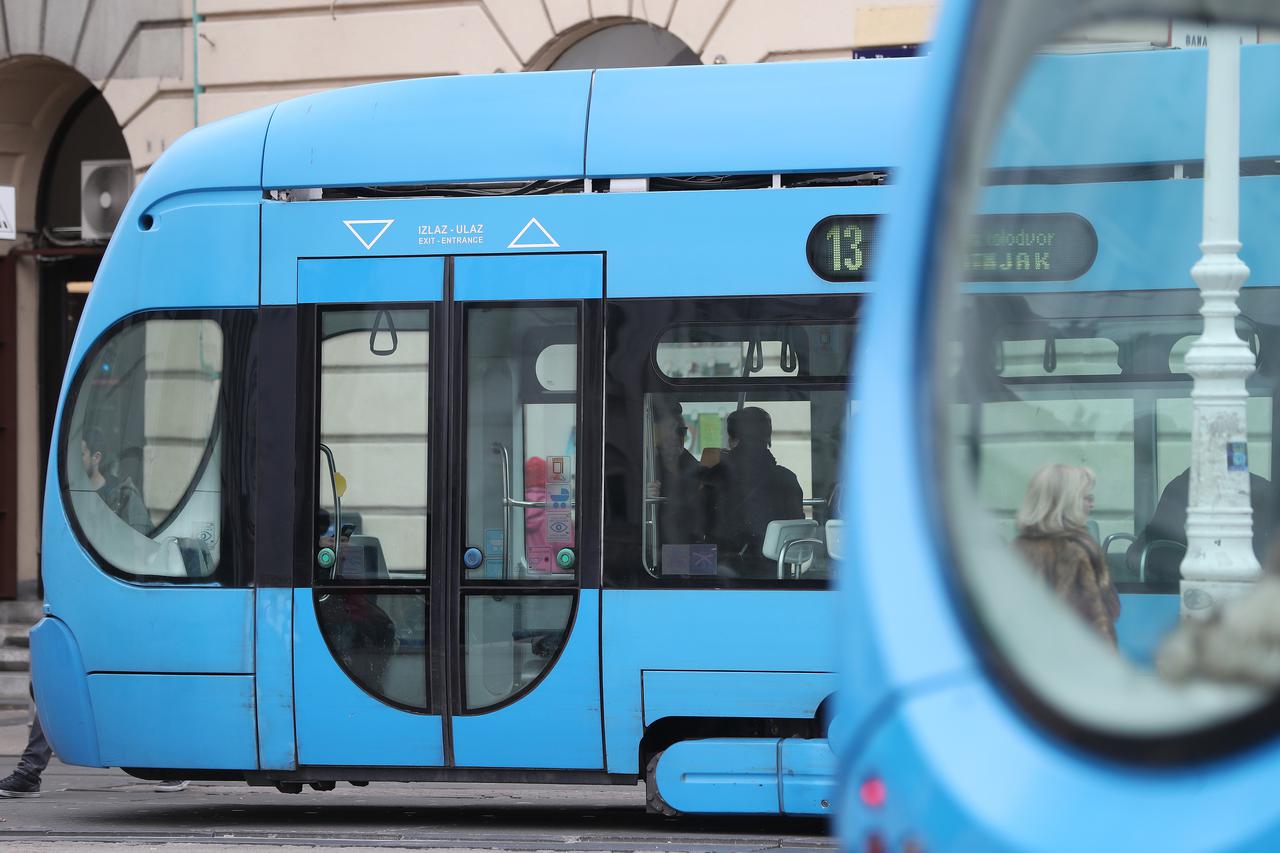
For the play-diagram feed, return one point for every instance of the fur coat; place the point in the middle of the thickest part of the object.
(1072, 565)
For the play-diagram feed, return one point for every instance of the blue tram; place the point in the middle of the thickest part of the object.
(478, 428)
(1034, 324)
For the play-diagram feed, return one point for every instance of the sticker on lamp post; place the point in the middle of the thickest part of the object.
(1237, 456)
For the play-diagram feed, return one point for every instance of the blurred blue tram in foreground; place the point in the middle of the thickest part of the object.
(480, 429)
(1034, 306)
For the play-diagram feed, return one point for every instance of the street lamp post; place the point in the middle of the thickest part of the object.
(1219, 564)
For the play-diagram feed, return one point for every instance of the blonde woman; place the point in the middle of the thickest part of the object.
(1052, 537)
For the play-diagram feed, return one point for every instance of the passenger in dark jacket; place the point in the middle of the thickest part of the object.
(1169, 523)
(1052, 537)
(120, 494)
(748, 489)
(682, 513)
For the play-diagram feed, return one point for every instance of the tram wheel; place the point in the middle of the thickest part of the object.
(653, 802)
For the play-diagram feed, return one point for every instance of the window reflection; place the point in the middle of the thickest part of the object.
(380, 640)
(144, 449)
(510, 640)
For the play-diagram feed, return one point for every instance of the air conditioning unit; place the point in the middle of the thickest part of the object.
(104, 188)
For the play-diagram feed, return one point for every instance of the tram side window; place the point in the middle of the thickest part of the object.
(726, 474)
(733, 491)
(144, 449)
(1018, 436)
(1066, 401)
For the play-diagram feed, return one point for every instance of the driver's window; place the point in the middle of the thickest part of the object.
(144, 449)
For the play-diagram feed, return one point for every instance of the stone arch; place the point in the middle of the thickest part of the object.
(618, 42)
(52, 117)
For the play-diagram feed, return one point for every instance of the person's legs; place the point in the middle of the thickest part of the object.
(24, 781)
(36, 757)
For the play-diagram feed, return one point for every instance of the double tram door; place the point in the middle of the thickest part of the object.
(452, 618)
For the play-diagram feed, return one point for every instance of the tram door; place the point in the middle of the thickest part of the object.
(454, 610)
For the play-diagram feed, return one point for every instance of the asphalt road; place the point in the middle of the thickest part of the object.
(83, 808)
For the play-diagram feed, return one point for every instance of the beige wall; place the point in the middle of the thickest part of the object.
(257, 52)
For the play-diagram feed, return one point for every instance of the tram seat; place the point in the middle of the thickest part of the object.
(790, 542)
(197, 559)
(362, 559)
(835, 538)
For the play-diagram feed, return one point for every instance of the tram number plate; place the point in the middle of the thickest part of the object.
(1004, 247)
(840, 247)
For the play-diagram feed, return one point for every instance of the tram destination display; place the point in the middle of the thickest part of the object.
(1030, 247)
(840, 247)
(1005, 247)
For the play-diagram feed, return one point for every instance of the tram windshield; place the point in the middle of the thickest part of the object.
(143, 449)
(1111, 464)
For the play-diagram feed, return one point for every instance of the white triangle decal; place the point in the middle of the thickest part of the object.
(368, 244)
(549, 242)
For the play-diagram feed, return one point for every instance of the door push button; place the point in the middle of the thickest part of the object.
(472, 558)
(565, 559)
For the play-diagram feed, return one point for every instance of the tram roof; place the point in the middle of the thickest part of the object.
(1142, 107)
(694, 120)
(729, 119)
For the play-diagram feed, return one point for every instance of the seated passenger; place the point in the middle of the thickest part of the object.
(1053, 538)
(682, 515)
(1169, 523)
(748, 489)
(121, 495)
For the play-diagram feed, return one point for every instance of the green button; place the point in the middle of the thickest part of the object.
(325, 558)
(565, 558)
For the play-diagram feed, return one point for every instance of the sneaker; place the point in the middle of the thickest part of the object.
(168, 786)
(14, 785)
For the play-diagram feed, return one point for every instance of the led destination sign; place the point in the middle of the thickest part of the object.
(1031, 247)
(1005, 247)
(840, 247)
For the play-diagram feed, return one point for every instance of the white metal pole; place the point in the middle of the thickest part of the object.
(1219, 564)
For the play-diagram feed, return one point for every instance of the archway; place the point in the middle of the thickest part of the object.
(55, 118)
(634, 44)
